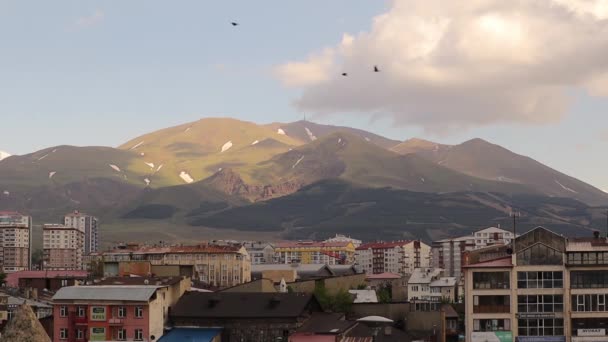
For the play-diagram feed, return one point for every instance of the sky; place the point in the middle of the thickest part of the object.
(528, 75)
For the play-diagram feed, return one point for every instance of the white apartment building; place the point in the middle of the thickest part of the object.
(344, 238)
(260, 252)
(15, 242)
(89, 225)
(63, 247)
(447, 253)
(400, 257)
(428, 284)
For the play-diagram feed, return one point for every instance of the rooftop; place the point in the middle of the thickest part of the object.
(12, 279)
(497, 263)
(156, 281)
(364, 296)
(444, 282)
(424, 275)
(190, 334)
(202, 248)
(136, 293)
(325, 323)
(385, 275)
(380, 245)
(296, 244)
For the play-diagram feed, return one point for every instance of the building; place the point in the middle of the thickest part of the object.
(397, 284)
(45, 280)
(254, 317)
(544, 287)
(260, 252)
(400, 257)
(344, 238)
(15, 242)
(218, 266)
(114, 312)
(447, 253)
(312, 252)
(63, 248)
(87, 224)
(428, 284)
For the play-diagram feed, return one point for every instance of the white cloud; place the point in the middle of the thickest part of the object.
(458, 64)
(91, 20)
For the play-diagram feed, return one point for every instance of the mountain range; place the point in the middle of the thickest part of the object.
(298, 179)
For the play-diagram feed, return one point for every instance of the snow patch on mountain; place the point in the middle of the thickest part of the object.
(188, 129)
(51, 174)
(147, 181)
(281, 131)
(6, 193)
(185, 176)
(255, 142)
(298, 162)
(565, 187)
(226, 146)
(4, 155)
(44, 156)
(150, 165)
(116, 168)
(159, 167)
(137, 145)
(367, 139)
(311, 136)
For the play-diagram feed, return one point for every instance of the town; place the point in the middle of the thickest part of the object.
(492, 285)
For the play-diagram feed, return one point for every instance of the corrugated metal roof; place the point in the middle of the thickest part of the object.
(106, 292)
(585, 246)
(444, 282)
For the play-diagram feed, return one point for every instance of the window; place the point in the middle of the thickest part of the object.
(63, 311)
(539, 255)
(540, 303)
(64, 282)
(122, 312)
(491, 280)
(541, 327)
(491, 325)
(79, 334)
(589, 302)
(63, 334)
(588, 279)
(81, 311)
(415, 288)
(540, 280)
(491, 304)
(122, 334)
(139, 335)
(139, 312)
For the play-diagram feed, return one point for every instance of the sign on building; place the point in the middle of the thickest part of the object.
(591, 332)
(98, 313)
(492, 336)
(97, 334)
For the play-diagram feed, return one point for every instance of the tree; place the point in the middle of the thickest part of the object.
(37, 257)
(384, 295)
(341, 302)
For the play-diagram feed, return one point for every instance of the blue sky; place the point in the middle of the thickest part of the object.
(103, 72)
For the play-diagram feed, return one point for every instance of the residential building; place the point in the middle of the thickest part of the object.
(15, 242)
(254, 317)
(45, 280)
(397, 284)
(447, 253)
(87, 224)
(312, 252)
(544, 287)
(260, 252)
(63, 248)
(219, 266)
(400, 257)
(115, 312)
(419, 284)
(344, 238)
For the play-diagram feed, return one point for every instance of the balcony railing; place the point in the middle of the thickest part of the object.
(115, 321)
(491, 309)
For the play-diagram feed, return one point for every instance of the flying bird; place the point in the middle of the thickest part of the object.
(376, 68)
(344, 74)
(234, 23)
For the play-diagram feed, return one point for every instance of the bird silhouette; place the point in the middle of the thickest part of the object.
(344, 74)
(376, 68)
(234, 23)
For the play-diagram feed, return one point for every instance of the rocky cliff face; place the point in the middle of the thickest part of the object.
(230, 182)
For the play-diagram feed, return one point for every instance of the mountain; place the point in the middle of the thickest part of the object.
(194, 151)
(4, 155)
(419, 146)
(328, 207)
(307, 131)
(481, 159)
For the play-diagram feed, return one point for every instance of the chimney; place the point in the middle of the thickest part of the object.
(596, 234)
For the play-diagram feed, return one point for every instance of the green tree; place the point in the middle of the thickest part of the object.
(342, 301)
(361, 287)
(384, 296)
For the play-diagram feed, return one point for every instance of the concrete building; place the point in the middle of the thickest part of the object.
(260, 252)
(45, 280)
(115, 312)
(218, 266)
(15, 242)
(428, 284)
(544, 287)
(89, 225)
(400, 257)
(447, 253)
(396, 282)
(344, 238)
(63, 248)
(312, 252)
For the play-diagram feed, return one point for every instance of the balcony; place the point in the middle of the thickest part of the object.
(116, 321)
(81, 320)
(491, 309)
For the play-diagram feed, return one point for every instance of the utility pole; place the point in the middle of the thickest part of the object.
(515, 215)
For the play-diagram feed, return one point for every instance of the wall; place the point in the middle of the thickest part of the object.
(277, 275)
(394, 311)
(165, 270)
(140, 268)
(156, 314)
(335, 284)
(307, 286)
(260, 285)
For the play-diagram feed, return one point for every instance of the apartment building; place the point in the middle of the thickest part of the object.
(215, 265)
(544, 287)
(260, 252)
(428, 284)
(313, 252)
(63, 248)
(400, 257)
(15, 242)
(447, 253)
(344, 238)
(89, 225)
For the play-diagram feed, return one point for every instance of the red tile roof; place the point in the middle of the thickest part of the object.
(382, 245)
(175, 249)
(295, 244)
(502, 262)
(385, 275)
(12, 279)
